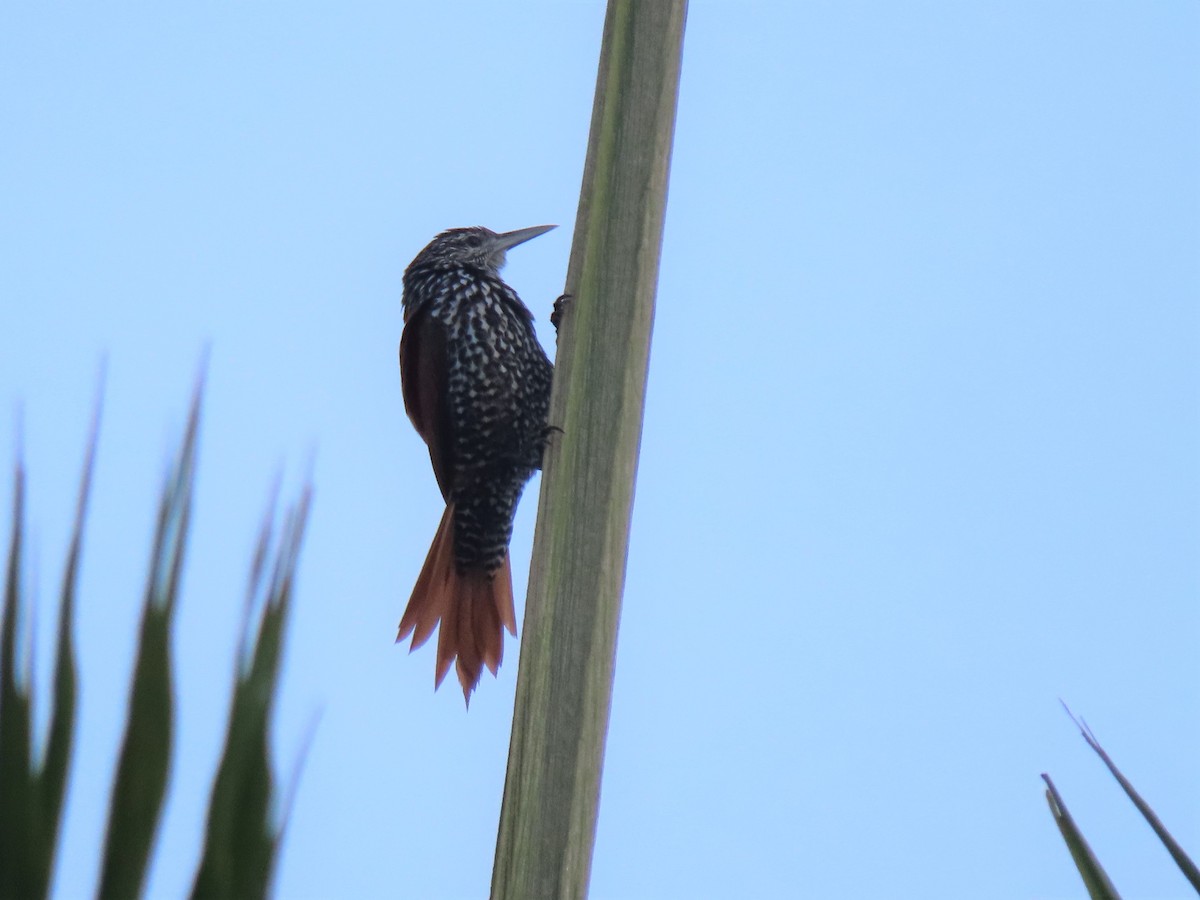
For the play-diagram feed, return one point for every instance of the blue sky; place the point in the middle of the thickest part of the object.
(921, 452)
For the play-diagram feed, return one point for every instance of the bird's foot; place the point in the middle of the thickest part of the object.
(560, 309)
(547, 434)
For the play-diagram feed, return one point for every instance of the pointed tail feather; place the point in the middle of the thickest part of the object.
(428, 602)
(473, 607)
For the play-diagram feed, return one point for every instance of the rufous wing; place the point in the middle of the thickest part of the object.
(424, 376)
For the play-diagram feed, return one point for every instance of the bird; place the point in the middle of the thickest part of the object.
(476, 386)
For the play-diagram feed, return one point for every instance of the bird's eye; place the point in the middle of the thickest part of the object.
(475, 241)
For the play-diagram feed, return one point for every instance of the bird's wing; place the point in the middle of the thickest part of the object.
(423, 379)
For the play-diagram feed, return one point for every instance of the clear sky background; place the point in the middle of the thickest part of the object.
(921, 452)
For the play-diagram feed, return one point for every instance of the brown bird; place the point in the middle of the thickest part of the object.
(476, 386)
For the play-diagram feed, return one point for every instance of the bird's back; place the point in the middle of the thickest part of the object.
(497, 396)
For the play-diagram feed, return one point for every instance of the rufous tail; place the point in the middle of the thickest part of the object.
(474, 608)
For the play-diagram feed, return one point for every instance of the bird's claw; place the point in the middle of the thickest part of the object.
(547, 433)
(560, 308)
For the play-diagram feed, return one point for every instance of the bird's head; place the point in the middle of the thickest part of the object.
(479, 247)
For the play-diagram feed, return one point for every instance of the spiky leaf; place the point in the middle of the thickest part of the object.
(19, 813)
(1094, 877)
(241, 842)
(142, 769)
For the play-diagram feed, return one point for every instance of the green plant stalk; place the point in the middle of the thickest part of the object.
(564, 686)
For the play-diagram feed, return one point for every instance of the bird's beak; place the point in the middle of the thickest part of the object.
(510, 239)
